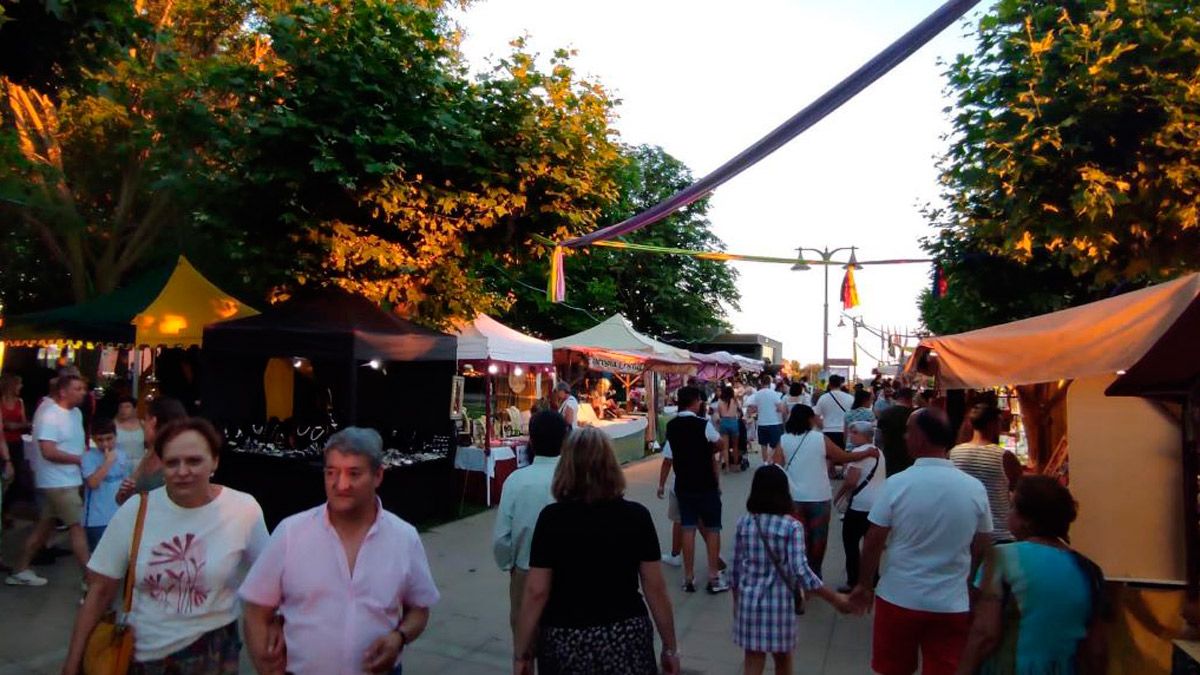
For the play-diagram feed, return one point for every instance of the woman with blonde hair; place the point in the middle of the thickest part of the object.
(591, 551)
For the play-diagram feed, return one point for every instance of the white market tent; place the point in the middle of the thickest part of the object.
(486, 339)
(617, 334)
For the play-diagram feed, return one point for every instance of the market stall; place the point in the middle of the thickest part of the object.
(164, 309)
(1120, 455)
(280, 383)
(614, 347)
(502, 357)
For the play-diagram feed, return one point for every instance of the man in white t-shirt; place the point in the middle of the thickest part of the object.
(768, 404)
(61, 442)
(832, 408)
(937, 525)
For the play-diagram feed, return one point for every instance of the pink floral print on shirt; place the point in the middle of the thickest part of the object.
(176, 577)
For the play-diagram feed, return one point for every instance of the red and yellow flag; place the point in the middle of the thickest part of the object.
(849, 290)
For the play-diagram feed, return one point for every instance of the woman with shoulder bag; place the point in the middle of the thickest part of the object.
(193, 539)
(770, 573)
(803, 453)
(864, 482)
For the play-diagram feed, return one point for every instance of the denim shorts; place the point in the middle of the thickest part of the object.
(729, 426)
(700, 509)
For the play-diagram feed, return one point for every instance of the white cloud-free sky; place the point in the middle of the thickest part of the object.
(705, 79)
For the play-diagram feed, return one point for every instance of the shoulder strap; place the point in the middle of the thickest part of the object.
(131, 573)
(833, 395)
(787, 579)
(863, 485)
(796, 451)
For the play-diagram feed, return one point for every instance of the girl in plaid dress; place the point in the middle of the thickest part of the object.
(764, 608)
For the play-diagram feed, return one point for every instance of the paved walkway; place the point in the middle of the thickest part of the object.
(468, 632)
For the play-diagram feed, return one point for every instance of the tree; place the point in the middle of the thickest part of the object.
(677, 298)
(1072, 169)
(100, 170)
(295, 142)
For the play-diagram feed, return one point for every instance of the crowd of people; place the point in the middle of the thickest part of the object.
(976, 549)
(188, 558)
(979, 574)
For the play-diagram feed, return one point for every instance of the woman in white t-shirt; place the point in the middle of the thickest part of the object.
(863, 485)
(803, 452)
(197, 539)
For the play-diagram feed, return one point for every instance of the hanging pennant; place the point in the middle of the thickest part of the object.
(849, 290)
(556, 287)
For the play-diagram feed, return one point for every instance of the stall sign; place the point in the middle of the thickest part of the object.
(613, 365)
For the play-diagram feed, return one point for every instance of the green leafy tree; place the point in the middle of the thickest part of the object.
(101, 170)
(676, 298)
(282, 143)
(1072, 169)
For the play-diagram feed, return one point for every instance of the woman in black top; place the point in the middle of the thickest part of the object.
(590, 551)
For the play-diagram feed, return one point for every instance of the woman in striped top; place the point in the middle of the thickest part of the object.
(995, 467)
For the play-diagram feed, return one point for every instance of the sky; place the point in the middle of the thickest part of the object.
(705, 79)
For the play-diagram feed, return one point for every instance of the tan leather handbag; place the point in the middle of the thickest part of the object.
(109, 649)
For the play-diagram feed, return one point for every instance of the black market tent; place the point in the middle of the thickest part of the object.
(331, 323)
(374, 367)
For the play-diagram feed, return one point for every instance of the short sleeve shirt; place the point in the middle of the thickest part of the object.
(189, 565)
(832, 407)
(595, 552)
(934, 512)
(100, 504)
(865, 499)
(64, 428)
(331, 617)
(768, 413)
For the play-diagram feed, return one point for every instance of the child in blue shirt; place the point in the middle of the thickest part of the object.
(104, 467)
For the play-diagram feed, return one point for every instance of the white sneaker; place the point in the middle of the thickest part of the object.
(717, 585)
(673, 560)
(26, 578)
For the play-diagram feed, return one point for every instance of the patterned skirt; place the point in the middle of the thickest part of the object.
(214, 653)
(621, 648)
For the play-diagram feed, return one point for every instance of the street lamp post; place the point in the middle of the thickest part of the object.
(826, 257)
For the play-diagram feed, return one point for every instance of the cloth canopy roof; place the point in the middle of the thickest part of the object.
(616, 333)
(716, 358)
(1169, 369)
(165, 307)
(486, 339)
(331, 323)
(1104, 337)
(748, 364)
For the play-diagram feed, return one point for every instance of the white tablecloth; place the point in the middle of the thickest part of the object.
(471, 458)
(620, 428)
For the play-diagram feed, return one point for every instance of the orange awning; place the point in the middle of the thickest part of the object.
(1103, 337)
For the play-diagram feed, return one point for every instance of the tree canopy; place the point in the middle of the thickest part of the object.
(1072, 169)
(280, 143)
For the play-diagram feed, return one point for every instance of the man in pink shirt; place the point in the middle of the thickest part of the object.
(350, 580)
